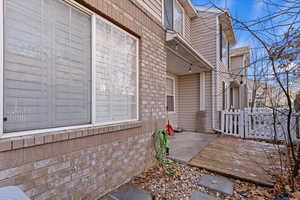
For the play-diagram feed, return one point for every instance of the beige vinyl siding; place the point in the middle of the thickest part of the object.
(244, 96)
(203, 35)
(236, 65)
(187, 28)
(153, 6)
(189, 101)
(221, 77)
(208, 103)
(173, 116)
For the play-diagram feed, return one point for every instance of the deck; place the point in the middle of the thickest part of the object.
(230, 156)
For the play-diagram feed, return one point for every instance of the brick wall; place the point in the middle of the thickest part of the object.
(86, 163)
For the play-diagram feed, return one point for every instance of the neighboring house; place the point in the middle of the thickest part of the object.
(86, 82)
(212, 36)
(238, 92)
(263, 94)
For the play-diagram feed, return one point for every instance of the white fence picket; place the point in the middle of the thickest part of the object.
(259, 124)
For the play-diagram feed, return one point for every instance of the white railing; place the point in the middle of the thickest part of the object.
(259, 123)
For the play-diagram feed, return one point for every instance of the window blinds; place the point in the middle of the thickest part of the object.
(170, 94)
(116, 74)
(178, 18)
(168, 14)
(47, 65)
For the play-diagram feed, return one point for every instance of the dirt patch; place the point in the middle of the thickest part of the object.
(180, 186)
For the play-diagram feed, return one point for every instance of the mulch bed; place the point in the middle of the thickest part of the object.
(181, 185)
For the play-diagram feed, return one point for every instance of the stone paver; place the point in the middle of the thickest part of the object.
(244, 159)
(216, 183)
(197, 195)
(12, 193)
(184, 146)
(127, 192)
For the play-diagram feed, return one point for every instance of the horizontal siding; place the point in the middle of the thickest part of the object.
(203, 35)
(236, 65)
(153, 6)
(221, 77)
(187, 29)
(189, 101)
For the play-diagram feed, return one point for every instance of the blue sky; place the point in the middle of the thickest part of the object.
(244, 10)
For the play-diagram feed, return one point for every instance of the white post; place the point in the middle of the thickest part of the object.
(241, 123)
(230, 121)
(227, 122)
(222, 121)
(236, 123)
(246, 123)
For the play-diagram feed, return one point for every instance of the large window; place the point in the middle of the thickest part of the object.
(116, 74)
(170, 94)
(47, 65)
(173, 16)
(53, 75)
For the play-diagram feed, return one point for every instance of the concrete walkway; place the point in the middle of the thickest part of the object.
(184, 146)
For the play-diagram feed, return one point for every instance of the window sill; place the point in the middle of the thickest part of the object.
(39, 137)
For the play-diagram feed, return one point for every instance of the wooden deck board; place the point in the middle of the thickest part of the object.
(238, 158)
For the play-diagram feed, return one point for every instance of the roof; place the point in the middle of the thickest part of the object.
(240, 51)
(224, 19)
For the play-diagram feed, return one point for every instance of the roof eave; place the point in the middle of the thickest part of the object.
(175, 36)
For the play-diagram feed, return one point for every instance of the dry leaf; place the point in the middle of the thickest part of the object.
(287, 188)
(296, 195)
(277, 188)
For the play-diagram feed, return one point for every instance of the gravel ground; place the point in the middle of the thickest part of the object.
(181, 185)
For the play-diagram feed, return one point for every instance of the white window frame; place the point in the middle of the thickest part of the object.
(202, 91)
(137, 75)
(183, 18)
(174, 93)
(93, 123)
(183, 14)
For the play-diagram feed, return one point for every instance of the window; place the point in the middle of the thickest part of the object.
(47, 65)
(116, 74)
(178, 18)
(168, 14)
(55, 75)
(173, 16)
(170, 94)
(224, 48)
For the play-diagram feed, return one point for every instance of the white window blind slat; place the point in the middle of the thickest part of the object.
(178, 18)
(116, 74)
